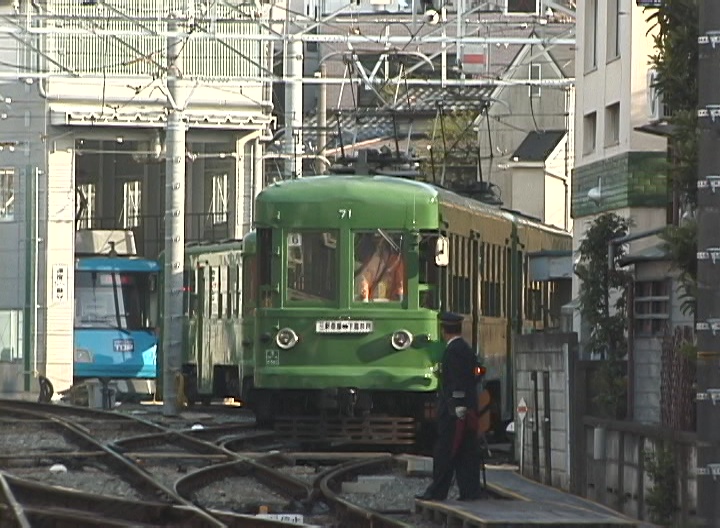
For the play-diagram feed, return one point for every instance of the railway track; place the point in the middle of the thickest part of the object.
(80, 468)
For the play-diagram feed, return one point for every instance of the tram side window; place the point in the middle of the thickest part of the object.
(379, 266)
(490, 286)
(264, 266)
(460, 283)
(312, 266)
(249, 284)
(429, 273)
(188, 293)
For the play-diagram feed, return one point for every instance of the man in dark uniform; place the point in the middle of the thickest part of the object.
(457, 450)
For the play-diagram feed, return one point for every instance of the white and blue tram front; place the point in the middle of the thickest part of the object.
(116, 324)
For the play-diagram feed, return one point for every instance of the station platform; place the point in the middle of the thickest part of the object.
(524, 502)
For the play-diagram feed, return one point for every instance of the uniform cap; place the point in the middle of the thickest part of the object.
(450, 318)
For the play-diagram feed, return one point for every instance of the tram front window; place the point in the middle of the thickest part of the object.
(122, 301)
(379, 266)
(312, 264)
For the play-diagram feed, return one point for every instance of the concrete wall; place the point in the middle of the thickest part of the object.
(555, 355)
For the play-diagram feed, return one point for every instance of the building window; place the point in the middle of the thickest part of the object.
(612, 125)
(218, 203)
(522, 7)
(7, 195)
(86, 205)
(535, 75)
(652, 307)
(11, 336)
(613, 29)
(591, 18)
(589, 132)
(132, 197)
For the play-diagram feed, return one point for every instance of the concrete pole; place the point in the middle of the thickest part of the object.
(322, 121)
(174, 224)
(459, 49)
(708, 280)
(293, 108)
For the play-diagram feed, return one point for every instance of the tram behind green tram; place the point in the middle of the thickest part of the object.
(219, 308)
(351, 274)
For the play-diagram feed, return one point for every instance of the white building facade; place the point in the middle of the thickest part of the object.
(87, 101)
(623, 170)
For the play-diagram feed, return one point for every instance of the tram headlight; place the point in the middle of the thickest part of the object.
(83, 355)
(286, 338)
(401, 339)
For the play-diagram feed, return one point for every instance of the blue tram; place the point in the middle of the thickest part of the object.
(117, 301)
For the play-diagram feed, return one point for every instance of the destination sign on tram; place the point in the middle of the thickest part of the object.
(343, 327)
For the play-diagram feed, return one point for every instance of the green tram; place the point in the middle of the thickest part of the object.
(351, 274)
(219, 308)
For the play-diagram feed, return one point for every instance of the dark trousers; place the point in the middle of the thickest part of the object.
(464, 464)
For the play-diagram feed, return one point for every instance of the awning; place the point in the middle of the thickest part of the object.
(655, 253)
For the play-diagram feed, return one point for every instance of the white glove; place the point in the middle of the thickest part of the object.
(460, 412)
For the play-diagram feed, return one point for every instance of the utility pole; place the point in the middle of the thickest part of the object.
(708, 276)
(174, 220)
(293, 106)
(322, 121)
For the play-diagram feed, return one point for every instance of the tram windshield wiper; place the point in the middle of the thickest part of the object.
(389, 240)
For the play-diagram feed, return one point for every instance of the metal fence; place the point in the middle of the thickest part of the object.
(150, 230)
(613, 470)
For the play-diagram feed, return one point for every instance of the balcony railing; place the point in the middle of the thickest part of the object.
(139, 48)
(150, 230)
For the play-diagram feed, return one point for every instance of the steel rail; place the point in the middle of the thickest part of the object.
(288, 486)
(135, 476)
(45, 501)
(12, 515)
(352, 514)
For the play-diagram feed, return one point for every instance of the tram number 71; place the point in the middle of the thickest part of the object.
(345, 213)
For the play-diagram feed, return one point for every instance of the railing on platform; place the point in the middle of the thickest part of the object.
(149, 230)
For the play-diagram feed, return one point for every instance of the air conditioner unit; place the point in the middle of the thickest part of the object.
(522, 7)
(656, 108)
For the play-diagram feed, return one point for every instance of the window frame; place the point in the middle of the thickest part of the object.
(404, 256)
(287, 301)
(8, 181)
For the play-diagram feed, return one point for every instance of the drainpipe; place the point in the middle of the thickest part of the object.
(36, 265)
(30, 310)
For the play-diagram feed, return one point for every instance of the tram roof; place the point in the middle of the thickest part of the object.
(316, 201)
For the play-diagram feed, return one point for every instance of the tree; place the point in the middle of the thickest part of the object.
(603, 306)
(453, 147)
